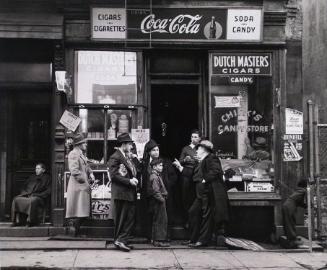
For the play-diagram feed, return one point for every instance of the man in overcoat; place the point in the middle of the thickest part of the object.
(123, 191)
(78, 203)
(209, 212)
(35, 192)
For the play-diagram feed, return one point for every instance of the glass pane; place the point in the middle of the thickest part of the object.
(92, 124)
(241, 122)
(106, 77)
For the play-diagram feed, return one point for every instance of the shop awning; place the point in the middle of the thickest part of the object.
(31, 25)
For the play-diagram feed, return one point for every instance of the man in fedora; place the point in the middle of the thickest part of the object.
(123, 191)
(78, 203)
(209, 211)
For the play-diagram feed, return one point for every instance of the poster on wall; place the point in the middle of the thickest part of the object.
(294, 121)
(70, 120)
(140, 136)
(292, 147)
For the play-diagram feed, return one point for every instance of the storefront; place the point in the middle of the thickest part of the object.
(162, 72)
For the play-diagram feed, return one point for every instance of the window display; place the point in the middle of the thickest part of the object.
(105, 77)
(241, 128)
(98, 124)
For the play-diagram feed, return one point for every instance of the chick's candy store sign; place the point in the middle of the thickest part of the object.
(215, 24)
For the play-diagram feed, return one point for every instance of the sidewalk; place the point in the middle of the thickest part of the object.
(42, 252)
(160, 259)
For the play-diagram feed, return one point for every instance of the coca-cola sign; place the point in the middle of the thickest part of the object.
(215, 24)
(183, 23)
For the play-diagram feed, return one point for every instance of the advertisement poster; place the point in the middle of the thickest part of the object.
(294, 121)
(140, 137)
(69, 120)
(227, 101)
(292, 147)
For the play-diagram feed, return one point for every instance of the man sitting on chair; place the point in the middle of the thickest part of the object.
(34, 194)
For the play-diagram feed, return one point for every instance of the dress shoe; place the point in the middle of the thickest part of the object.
(221, 241)
(186, 243)
(121, 246)
(129, 246)
(197, 245)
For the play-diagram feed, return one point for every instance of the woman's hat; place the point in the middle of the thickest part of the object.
(150, 145)
(260, 142)
(79, 139)
(124, 138)
(206, 144)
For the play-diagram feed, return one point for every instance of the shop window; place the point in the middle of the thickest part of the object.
(105, 77)
(241, 128)
(102, 126)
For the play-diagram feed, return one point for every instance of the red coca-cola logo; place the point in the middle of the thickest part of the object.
(181, 24)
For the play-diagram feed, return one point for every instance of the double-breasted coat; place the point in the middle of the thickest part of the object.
(78, 191)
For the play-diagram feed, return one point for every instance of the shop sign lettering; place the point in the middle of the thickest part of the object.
(225, 64)
(215, 24)
(108, 23)
(244, 24)
(180, 24)
(240, 80)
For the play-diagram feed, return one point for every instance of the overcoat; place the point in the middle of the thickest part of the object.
(213, 175)
(78, 191)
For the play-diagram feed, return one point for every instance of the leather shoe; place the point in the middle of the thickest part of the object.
(129, 246)
(186, 243)
(197, 245)
(160, 244)
(121, 246)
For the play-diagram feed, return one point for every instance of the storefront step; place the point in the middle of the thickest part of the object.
(37, 231)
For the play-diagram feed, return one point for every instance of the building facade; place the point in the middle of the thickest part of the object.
(230, 69)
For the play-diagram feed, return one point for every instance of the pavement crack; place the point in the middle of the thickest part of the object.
(178, 266)
(75, 259)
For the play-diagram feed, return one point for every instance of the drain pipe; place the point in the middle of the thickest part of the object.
(311, 168)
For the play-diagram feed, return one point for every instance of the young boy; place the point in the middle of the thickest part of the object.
(157, 194)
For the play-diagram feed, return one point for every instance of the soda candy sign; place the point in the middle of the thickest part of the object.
(227, 64)
(174, 23)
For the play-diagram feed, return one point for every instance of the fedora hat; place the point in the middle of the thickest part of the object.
(260, 142)
(206, 144)
(79, 139)
(124, 138)
(150, 145)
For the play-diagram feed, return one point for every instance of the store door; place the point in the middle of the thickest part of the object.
(29, 132)
(174, 113)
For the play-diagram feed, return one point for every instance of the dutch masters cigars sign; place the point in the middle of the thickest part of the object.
(182, 23)
(231, 64)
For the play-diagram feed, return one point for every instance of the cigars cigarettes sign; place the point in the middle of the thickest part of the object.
(216, 24)
(231, 64)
